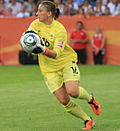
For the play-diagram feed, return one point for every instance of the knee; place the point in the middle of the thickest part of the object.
(64, 101)
(74, 94)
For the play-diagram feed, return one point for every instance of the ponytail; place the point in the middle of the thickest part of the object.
(57, 13)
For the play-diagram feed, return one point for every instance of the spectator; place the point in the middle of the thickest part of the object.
(117, 13)
(2, 8)
(68, 7)
(81, 13)
(73, 5)
(79, 2)
(100, 8)
(7, 2)
(109, 3)
(29, 5)
(92, 3)
(98, 41)
(60, 6)
(86, 6)
(15, 6)
(23, 13)
(91, 12)
(114, 7)
(67, 10)
(79, 38)
(21, 1)
(34, 10)
(107, 12)
(104, 2)
(38, 1)
(8, 12)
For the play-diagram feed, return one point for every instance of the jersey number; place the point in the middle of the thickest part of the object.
(74, 70)
(46, 42)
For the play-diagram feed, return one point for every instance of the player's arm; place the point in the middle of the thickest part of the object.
(86, 39)
(58, 47)
(52, 54)
(59, 44)
(103, 43)
(93, 45)
(41, 49)
(72, 38)
(75, 41)
(82, 41)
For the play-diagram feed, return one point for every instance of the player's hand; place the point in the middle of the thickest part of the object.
(40, 48)
(97, 49)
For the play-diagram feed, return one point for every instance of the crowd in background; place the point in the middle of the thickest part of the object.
(84, 8)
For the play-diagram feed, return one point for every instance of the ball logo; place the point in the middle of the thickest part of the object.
(30, 39)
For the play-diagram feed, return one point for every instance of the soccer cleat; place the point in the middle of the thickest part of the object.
(95, 106)
(89, 124)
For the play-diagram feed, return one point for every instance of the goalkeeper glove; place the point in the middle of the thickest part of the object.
(40, 48)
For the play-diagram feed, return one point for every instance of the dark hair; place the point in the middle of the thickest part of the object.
(50, 6)
(80, 22)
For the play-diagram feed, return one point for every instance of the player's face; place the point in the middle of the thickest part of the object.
(79, 26)
(97, 30)
(42, 13)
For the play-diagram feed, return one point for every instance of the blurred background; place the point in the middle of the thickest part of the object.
(16, 16)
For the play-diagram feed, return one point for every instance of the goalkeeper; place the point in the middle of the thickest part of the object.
(58, 63)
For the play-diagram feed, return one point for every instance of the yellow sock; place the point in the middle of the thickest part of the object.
(83, 94)
(76, 110)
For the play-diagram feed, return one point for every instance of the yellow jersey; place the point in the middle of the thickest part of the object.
(55, 38)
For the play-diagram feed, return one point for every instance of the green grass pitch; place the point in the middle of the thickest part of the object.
(27, 105)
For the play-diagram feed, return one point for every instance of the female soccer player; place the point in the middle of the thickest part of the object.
(58, 63)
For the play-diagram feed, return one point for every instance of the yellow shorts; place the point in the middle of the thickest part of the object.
(55, 80)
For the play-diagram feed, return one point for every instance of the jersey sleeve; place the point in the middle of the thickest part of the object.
(33, 26)
(93, 37)
(72, 36)
(60, 42)
(85, 35)
(103, 37)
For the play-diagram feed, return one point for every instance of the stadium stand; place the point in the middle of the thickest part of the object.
(67, 7)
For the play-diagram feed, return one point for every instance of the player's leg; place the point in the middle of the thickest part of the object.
(82, 54)
(78, 56)
(101, 56)
(55, 84)
(76, 110)
(95, 58)
(69, 105)
(72, 78)
(78, 92)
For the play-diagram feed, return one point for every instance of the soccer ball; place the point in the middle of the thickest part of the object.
(29, 41)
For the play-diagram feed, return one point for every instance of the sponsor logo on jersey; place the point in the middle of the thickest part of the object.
(60, 43)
